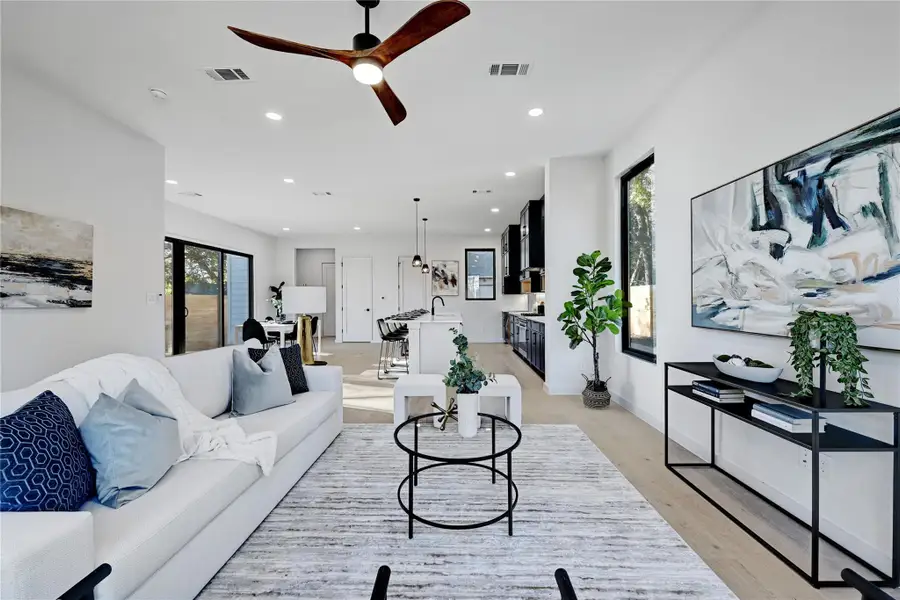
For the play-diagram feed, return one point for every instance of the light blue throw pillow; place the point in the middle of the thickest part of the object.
(259, 386)
(132, 440)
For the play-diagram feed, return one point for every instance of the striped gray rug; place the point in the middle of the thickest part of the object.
(341, 521)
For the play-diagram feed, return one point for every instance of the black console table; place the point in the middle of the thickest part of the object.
(832, 439)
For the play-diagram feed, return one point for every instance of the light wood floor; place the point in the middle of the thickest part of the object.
(632, 445)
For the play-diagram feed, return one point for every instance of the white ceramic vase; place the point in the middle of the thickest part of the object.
(467, 413)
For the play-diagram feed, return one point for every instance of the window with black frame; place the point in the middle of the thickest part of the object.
(480, 274)
(638, 271)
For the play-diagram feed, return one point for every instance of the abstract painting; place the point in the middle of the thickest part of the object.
(45, 262)
(819, 230)
(445, 278)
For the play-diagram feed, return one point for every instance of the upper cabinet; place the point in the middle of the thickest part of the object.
(510, 257)
(522, 251)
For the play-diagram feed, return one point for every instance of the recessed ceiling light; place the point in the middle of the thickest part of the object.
(273, 115)
(535, 112)
(171, 182)
(288, 180)
(487, 229)
(510, 173)
(495, 210)
(285, 228)
(357, 228)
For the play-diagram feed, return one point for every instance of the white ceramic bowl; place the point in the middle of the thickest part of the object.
(757, 374)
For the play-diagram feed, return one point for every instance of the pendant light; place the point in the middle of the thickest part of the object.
(425, 268)
(417, 260)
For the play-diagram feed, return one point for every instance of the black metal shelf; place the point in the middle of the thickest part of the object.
(783, 391)
(833, 439)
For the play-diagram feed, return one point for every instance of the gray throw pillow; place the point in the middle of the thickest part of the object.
(257, 387)
(132, 440)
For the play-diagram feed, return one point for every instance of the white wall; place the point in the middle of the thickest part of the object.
(769, 91)
(573, 196)
(193, 226)
(482, 319)
(61, 158)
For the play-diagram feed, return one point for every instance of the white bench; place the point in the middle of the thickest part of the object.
(408, 386)
(508, 388)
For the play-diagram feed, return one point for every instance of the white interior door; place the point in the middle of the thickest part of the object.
(357, 283)
(411, 283)
(328, 282)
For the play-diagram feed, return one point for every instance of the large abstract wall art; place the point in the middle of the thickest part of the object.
(45, 262)
(819, 230)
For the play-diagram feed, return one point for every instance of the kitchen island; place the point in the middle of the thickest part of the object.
(431, 342)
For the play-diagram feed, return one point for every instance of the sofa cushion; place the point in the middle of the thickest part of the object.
(205, 377)
(13, 400)
(293, 366)
(138, 538)
(259, 386)
(294, 422)
(43, 462)
(132, 440)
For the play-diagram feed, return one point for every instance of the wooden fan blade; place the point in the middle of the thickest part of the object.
(391, 103)
(426, 23)
(279, 45)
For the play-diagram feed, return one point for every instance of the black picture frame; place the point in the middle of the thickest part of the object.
(625, 178)
(493, 252)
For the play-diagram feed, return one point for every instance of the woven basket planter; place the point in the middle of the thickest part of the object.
(594, 399)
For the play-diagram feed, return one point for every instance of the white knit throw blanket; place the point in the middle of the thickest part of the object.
(201, 437)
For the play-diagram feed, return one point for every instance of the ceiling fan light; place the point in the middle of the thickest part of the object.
(367, 71)
(417, 261)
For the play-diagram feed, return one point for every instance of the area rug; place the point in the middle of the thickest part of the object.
(341, 521)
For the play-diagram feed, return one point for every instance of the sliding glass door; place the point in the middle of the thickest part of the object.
(209, 294)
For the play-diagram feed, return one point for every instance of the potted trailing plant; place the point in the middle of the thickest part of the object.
(836, 349)
(590, 312)
(468, 379)
(276, 300)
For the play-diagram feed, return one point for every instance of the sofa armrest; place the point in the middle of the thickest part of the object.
(43, 554)
(324, 378)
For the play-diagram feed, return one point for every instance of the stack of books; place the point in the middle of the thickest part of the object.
(794, 420)
(717, 392)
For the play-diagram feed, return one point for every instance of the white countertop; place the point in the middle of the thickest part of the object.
(448, 318)
(530, 318)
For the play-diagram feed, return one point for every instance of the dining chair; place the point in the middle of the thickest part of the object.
(253, 330)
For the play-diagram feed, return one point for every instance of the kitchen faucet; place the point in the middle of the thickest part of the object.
(432, 303)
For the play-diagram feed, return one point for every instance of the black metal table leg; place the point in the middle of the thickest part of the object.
(509, 506)
(895, 545)
(493, 450)
(416, 461)
(712, 436)
(411, 486)
(814, 521)
(666, 415)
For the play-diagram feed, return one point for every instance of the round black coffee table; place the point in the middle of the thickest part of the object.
(411, 481)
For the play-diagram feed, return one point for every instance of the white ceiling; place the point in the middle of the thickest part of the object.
(596, 68)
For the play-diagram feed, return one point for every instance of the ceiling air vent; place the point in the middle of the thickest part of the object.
(227, 74)
(506, 69)
(321, 193)
(191, 194)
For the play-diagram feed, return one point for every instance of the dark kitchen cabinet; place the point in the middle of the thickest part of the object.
(531, 253)
(510, 260)
(528, 341)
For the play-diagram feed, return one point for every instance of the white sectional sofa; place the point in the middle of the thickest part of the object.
(168, 544)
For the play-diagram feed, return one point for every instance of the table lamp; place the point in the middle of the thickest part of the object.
(304, 301)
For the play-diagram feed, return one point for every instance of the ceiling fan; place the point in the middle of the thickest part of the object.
(370, 55)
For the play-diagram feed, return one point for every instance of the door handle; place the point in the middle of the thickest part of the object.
(186, 311)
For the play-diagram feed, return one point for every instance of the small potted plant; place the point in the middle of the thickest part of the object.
(828, 341)
(276, 301)
(468, 381)
(589, 313)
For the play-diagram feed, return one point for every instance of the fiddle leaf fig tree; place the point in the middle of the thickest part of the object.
(593, 309)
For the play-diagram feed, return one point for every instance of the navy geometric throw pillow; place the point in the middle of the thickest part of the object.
(44, 464)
